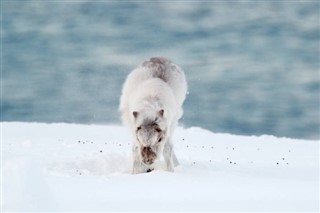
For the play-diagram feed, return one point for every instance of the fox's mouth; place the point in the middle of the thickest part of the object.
(147, 162)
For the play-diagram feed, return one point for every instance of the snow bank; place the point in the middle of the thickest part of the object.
(67, 167)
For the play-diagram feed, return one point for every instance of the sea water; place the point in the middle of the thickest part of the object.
(252, 66)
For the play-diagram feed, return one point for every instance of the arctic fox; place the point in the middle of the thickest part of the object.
(151, 105)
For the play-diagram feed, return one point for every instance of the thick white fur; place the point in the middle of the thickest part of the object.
(155, 85)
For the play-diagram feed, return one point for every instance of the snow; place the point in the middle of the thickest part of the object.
(70, 167)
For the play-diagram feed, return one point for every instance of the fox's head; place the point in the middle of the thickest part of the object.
(150, 133)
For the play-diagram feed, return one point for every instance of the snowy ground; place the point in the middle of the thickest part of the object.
(66, 167)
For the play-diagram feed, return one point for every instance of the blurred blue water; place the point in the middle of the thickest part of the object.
(252, 67)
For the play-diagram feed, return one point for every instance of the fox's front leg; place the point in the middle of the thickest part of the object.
(175, 160)
(136, 167)
(168, 156)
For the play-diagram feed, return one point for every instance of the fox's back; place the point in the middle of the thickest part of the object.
(156, 68)
(167, 71)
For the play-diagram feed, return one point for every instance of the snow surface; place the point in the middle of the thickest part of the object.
(69, 167)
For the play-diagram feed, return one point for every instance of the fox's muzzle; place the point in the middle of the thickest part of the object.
(148, 156)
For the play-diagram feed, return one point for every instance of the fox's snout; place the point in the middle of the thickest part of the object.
(148, 156)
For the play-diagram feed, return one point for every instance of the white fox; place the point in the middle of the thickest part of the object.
(151, 105)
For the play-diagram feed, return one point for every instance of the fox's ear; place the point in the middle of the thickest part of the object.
(160, 113)
(135, 114)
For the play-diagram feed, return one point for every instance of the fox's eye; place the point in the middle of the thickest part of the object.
(159, 140)
(138, 128)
